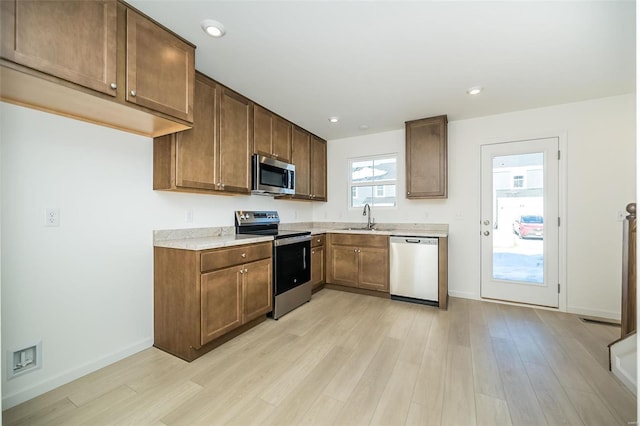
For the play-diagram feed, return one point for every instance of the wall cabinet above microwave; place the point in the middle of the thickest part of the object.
(212, 157)
(112, 69)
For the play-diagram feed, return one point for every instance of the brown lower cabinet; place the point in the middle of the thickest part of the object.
(356, 260)
(204, 298)
(317, 261)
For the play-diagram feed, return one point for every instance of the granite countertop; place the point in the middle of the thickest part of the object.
(206, 243)
(216, 237)
(383, 231)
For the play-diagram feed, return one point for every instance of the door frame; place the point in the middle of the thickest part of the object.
(562, 211)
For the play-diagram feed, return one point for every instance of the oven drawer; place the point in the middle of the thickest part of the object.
(225, 257)
(317, 240)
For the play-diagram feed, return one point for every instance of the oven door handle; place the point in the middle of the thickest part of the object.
(291, 240)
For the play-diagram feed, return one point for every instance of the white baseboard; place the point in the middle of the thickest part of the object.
(593, 312)
(624, 356)
(58, 380)
(463, 294)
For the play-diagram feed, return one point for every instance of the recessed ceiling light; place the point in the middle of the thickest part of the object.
(474, 90)
(334, 119)
(213, 28)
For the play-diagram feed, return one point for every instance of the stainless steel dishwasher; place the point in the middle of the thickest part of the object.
(414, 269)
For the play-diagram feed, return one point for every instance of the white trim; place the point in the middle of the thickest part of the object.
(373, 184)
(23, 395)
(624, 365)
(579, 310)
(464, 294)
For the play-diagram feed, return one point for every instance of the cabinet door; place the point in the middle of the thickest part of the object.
(73, 40)
(281, 138)
(236, 133)
(374, 269)
(318, 169)
(426, 157)
(160, 68)
(221, 302)
(344, 263)
(196, 154)
(261, 130)
(257, 289)
(300, 157)
(317, 266)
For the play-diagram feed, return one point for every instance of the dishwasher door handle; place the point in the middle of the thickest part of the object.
(413, 241)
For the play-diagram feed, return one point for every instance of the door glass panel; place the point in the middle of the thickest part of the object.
(518, 218)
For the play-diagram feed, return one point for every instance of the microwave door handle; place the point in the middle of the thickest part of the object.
(304, 258)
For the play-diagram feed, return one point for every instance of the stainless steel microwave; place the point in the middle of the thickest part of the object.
(271, 176)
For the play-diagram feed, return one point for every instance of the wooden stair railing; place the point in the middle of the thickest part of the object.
(629, 276)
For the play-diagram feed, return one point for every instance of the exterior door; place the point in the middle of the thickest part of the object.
(519, 222)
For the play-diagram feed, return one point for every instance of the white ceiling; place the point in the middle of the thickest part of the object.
(382, 63)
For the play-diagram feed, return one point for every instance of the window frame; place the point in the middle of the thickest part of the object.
(372, 184)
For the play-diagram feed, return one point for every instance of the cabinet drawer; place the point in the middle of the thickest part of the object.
(225, 257)
(317, 240)
(360, 240)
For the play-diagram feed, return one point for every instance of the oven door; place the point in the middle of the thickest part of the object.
(291, 263)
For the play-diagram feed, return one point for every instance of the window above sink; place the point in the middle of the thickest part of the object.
(373, 181)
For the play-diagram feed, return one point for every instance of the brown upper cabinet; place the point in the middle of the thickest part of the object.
(426, 157)
(98, 61)
(309, 155)
(72, 40)
(271, 134)
(160, 68)
(318, 167)
(214, 155)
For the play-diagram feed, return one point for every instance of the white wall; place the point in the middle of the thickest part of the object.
(600, 158)
(86, 288)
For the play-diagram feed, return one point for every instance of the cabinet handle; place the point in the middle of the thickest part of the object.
(408, 193)
(313, 252)
(242, 271)
(244, 254)
(246, 270)
(113, 86)
(133, 93)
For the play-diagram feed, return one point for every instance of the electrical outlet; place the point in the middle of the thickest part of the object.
(52, 217)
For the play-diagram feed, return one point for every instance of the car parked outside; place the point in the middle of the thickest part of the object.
(529, 226)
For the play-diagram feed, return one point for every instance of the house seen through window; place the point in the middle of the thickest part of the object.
(373, 181)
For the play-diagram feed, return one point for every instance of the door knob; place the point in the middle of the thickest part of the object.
(486, 233)
(486, 222)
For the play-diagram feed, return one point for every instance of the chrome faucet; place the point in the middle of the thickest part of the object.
(367, 212)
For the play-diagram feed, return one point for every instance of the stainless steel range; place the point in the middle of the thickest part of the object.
(291, 258)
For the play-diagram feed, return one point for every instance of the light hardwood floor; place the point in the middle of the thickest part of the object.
(350, 359)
